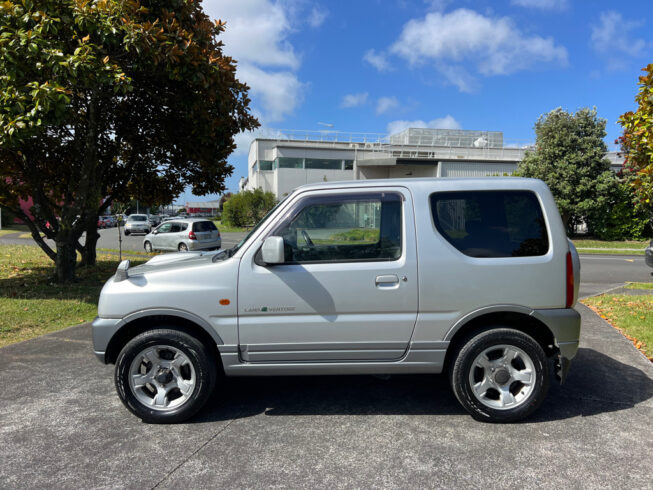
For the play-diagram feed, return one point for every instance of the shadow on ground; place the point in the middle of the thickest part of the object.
(597, 384)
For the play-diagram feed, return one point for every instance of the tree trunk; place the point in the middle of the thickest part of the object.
(565, 222)
(66, 260)
(89, 255)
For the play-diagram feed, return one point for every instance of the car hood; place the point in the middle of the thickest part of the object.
(178, 260)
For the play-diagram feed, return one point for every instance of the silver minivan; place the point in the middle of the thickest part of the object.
(474, 278)
(183, 235)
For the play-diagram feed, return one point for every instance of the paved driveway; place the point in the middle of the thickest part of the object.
(62, 425)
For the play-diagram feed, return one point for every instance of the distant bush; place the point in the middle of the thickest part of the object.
(357, 235)
(247, 207)
(623, 220)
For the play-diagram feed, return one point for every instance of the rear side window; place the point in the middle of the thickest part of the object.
(200, 226)
(491, 223)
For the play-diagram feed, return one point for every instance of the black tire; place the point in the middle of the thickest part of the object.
(127, 232)
(182, 247)
(148, 247)
(476, 405)
(197, 355)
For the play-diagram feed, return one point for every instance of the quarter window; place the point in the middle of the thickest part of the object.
(349, 228)
(491, 223)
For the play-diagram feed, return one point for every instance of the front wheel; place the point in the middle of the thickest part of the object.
(148, 247)
(164, 375)
(500, 375)
(127, 232)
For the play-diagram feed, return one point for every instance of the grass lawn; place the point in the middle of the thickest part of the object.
(639, 285)
(632, 315)
(634, 247)
(31, 304)
(230, 229)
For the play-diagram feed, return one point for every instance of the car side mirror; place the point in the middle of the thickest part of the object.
(272, 251)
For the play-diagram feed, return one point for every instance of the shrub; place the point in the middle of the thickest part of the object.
(247, 207)
(623, 220)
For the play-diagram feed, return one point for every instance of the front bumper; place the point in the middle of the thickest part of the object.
(103, 330)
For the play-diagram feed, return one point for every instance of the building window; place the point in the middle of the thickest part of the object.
(285, 162)
(265, 164)
(491, 223)
(323, 164)
(343, 228)
(349, 165)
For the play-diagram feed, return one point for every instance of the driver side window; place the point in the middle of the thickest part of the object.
(164, 228)
(344, 228)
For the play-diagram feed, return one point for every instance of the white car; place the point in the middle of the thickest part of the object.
(183, 235)
(137, 223)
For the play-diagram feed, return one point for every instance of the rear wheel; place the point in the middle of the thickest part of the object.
(500, 375)
(148, 247)
(165, 375)
(182, 247)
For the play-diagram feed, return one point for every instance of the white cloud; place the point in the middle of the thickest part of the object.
(256, 36)
(446, 122)
(464, 40)
(256, 31)
(278, 93)
(612, 39)
(317, 17)
(542, 4)
(354, 100)
(385, 104)
(377, 60)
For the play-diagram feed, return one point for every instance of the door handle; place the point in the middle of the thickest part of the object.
(389, 281)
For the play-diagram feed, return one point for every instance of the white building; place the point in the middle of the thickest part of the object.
(296, 158)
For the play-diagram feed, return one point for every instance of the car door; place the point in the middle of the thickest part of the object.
(348, 287)
(161, 239)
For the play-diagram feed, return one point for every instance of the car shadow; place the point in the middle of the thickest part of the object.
(596, 384)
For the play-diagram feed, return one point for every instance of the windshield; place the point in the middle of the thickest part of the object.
(230, 251)
(137, 218)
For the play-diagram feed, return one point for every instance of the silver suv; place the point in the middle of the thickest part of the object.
(183, 235)
(472, 277)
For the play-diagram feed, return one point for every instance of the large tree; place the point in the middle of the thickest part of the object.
(637, 142)
(570, 157)
(110, 99)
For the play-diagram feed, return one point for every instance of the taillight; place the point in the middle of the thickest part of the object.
(191, 236)
(570, 281)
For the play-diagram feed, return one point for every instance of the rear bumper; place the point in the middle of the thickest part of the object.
(204, 245)
(564, 323)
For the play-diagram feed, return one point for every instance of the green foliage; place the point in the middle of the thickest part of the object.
(368, 235)
(570, 158)
(637, 142)
(623, 220)
(111, 99)
(247, 207)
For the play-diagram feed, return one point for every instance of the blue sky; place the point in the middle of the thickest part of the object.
(378, 65)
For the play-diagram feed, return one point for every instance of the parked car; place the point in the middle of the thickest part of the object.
(137, 223)
(649, 254)
(183, 235)
(155, 220)
(328, 283)
(107, 221)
